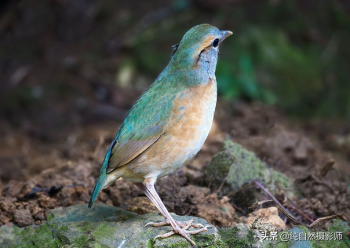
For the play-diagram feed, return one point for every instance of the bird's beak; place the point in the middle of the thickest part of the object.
(225, 34)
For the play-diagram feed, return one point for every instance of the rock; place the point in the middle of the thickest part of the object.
(3, 219)
(194, 194)
(5, 204)
(219, 213)
(108, 226)
(101, 226)
(270, 215)
(239, 167)
(23, 217)
(66, 195)
(80, 190)
(38, 213)
(193, 175)
(237, 236)
(242, 231)
(45, 201)
(26, 189)
(259, 225)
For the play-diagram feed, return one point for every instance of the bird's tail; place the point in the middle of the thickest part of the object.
(98, 186)
(102, 182)
(104, 179)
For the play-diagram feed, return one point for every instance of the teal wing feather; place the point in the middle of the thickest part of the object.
(144, 123)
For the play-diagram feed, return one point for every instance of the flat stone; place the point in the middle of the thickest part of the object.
(102, 226)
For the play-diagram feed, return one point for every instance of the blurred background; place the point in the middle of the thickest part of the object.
(59, 58)
(70, 71)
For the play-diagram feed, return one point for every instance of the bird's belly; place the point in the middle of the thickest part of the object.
(185, 133)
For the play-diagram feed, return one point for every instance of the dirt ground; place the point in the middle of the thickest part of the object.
(41, 170)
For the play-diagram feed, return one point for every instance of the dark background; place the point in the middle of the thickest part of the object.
(58, 59)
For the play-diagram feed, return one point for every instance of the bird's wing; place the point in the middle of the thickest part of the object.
(143, 126)
(122, 153)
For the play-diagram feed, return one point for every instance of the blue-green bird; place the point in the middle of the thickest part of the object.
(168, 124)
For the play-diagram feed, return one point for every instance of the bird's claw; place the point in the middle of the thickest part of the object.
(170, 233)
(181, 224)
(150, 223)
(184, 232)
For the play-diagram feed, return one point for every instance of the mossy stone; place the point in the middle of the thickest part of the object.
(240, 166)
(102, 226)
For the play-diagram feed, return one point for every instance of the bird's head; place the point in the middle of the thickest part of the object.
(199, 48)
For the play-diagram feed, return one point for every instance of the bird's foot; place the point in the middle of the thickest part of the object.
(181, 229)
(181, 224)
(183, 232)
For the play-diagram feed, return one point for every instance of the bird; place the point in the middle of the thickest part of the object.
(168, 124)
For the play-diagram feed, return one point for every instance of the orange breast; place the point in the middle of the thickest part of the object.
(192, 115)
(185, 133)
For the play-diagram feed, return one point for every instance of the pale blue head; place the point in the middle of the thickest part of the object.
(199, 49)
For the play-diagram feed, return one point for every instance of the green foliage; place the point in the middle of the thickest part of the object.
(276, 56)
(269, 68)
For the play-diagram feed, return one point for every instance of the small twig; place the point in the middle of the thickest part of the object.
(258, 204)
(188, 214)
(326, 168)
(292, 218)
(288, 214)
(301, 213)
(313, 177)
(272, 197)
(318, 177)
(210, 182)
(221, 185)
(238, 190)
(325, 218)
(238, 208)
(317, 180)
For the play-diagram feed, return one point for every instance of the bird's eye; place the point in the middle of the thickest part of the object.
(215, 43)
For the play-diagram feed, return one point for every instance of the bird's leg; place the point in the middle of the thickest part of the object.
(153, 200)
(178, 228)
(166, 222)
